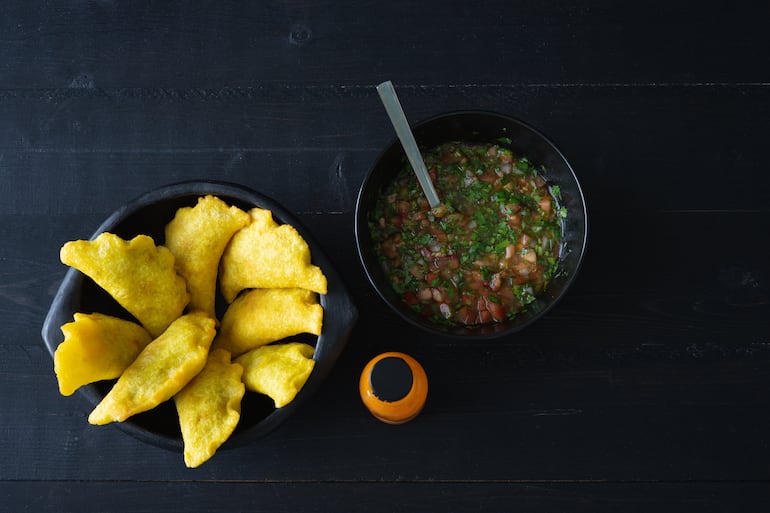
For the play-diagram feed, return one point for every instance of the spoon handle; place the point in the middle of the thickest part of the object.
(401, 125)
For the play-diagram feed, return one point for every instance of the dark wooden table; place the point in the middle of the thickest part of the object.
(646, 389)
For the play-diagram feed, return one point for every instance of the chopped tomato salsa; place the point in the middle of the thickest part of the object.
(486, 251)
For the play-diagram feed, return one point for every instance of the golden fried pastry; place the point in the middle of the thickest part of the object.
(138, 274)
(209, 407)
(278, 371)
(161, 370)
(197, 236)
(268, 255)
(265, 273)
(261, 316)
(96, 347)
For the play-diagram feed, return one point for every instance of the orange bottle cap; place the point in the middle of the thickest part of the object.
(394, 387)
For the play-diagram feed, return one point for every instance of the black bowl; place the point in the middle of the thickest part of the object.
(148, 215)
(481, 127)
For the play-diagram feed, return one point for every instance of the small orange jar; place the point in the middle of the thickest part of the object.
(393, 387)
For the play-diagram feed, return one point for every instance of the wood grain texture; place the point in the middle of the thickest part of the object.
(146, 44)
(645, 388)
(633, 148)
(128, 497)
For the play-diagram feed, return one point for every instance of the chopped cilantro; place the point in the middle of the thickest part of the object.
(504, 209)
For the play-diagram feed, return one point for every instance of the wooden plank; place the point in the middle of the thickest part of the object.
(146, 44)
(714, 301)
(126, 497)
(632, 147)
(632, 421)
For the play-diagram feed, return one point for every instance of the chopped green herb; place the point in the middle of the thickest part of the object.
(479, 244)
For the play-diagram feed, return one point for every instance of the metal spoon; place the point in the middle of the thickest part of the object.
(398, 118)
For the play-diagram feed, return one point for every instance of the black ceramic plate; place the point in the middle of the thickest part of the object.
(148, 215)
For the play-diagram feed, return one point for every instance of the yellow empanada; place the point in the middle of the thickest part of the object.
(96, 347)
(197, 236)
(268, 255)
(137, 273)
(278, 371)
(161, 370)
(209, 407)
(261, 316)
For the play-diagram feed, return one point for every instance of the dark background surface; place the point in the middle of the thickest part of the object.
(645, 389)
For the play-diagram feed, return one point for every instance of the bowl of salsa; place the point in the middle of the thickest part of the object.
(502, 247)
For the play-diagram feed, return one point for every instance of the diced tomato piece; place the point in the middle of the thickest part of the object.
(496, 310)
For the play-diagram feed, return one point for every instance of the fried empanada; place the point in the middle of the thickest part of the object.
(209, 407)
(261, 316)
(268, 255)
(138, 274)
(278, 371)
(161, 370)
(96, 347)
(197, 236)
